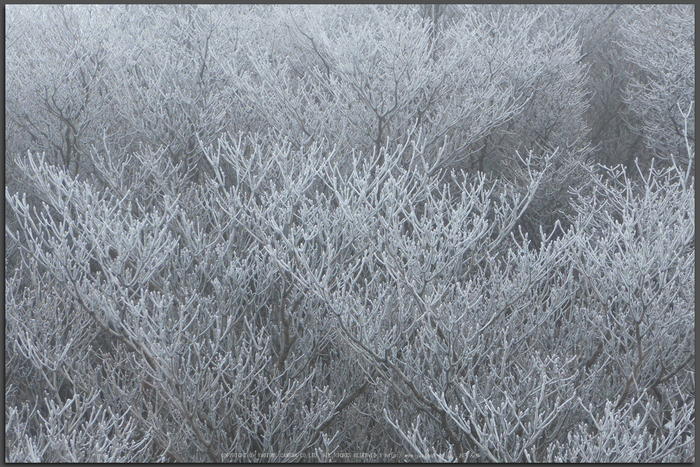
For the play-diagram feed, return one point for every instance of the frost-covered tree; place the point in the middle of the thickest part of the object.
(660, 41)
(336, 233)
(57, 80)
(292, 306)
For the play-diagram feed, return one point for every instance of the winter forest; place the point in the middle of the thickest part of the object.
(349, 233)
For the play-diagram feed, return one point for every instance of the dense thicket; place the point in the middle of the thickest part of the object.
(350, 233)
